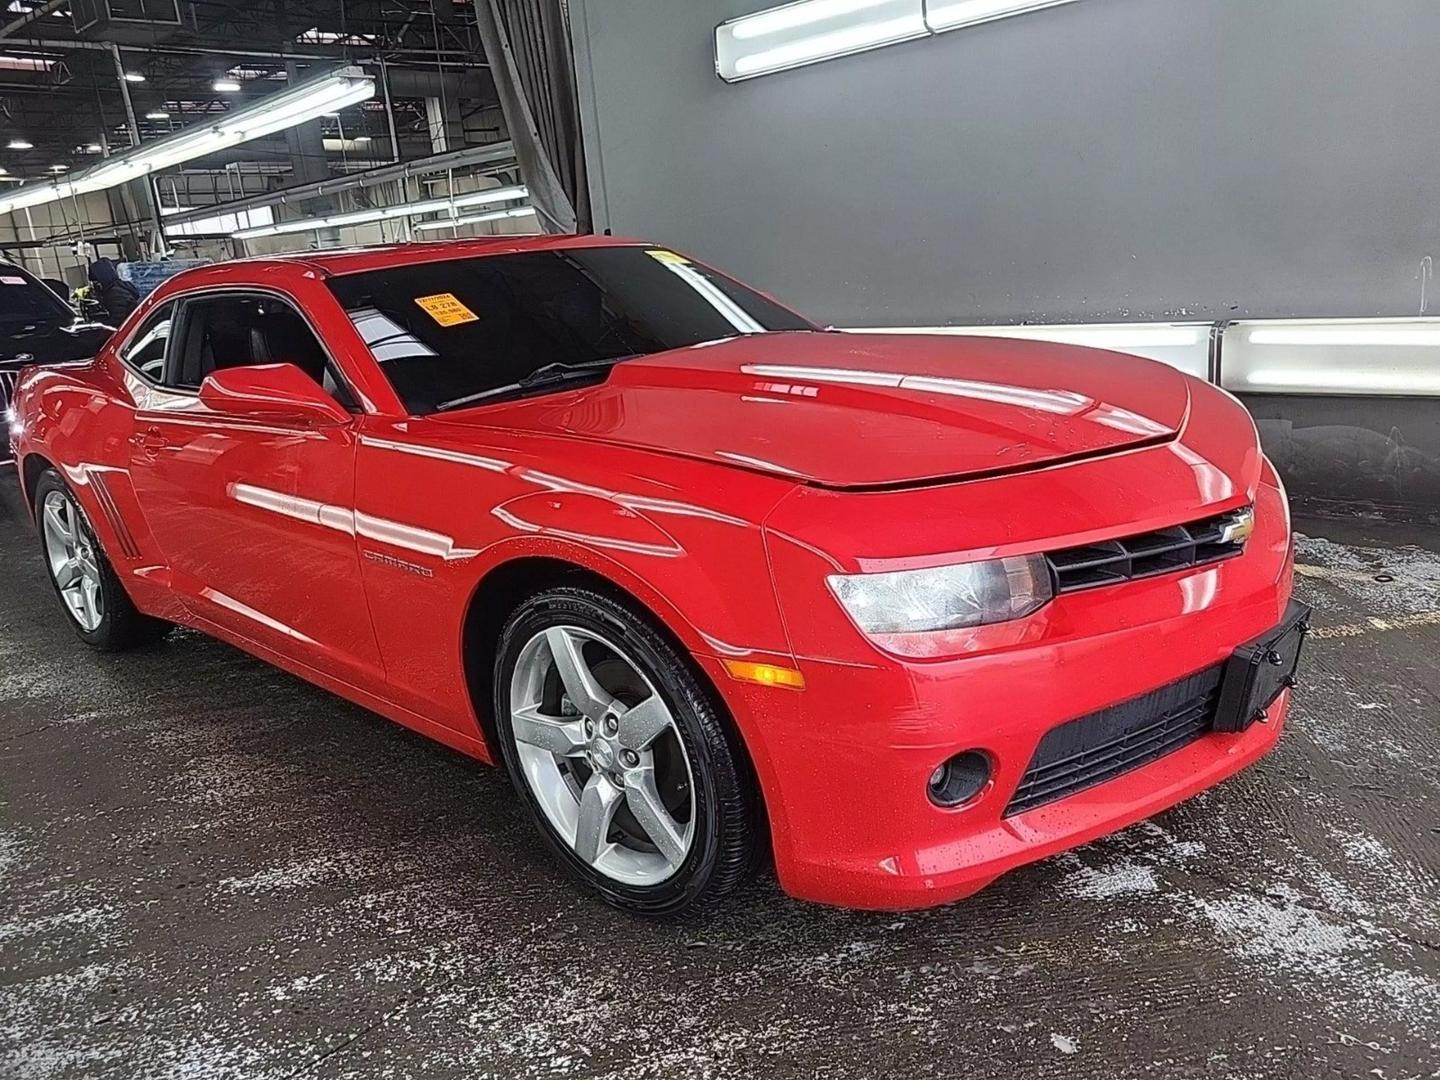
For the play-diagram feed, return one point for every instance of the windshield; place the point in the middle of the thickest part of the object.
(25, 300)
(447, 333)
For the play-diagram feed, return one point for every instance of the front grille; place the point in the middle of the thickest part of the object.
(1099, 747)
(1146, 554)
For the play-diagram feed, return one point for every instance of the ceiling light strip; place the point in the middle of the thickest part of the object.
(809, 31)
(308, 100)
(475, 219)
(385, 213)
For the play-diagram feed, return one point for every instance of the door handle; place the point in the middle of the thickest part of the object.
(149, 440)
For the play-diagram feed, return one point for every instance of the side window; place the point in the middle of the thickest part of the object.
(244, 331)
(146, 351)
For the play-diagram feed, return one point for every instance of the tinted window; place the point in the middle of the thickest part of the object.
(146, 351)
(244, 331)
(25, 300)
(446, 332)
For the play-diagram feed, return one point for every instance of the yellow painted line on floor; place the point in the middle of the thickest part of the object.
(1376, 624)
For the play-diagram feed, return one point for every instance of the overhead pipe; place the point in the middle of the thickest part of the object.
(495, 153)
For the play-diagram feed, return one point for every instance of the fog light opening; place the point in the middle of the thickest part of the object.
(960, 780)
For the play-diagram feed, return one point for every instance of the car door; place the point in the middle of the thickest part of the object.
(255, 517)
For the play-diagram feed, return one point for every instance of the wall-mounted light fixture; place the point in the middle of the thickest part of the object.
(1185, 346)
(1340, 356)
(808, 31)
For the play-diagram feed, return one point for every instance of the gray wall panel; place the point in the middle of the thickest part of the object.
(1105, 160)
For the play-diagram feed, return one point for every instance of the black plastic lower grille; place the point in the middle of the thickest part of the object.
(1144, 554)
(1099, 747)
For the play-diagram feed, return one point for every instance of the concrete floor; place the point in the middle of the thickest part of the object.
(210, 869)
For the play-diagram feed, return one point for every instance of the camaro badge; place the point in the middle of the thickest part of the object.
(398, 564)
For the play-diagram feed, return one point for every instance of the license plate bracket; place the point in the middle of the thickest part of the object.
(1259, 670)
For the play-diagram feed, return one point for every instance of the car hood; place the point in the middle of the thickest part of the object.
(868, 411)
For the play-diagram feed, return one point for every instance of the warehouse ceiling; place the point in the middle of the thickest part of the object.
(60, 89)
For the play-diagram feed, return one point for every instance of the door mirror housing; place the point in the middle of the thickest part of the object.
(273, 392)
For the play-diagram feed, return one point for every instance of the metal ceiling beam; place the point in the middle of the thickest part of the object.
(31, 16)
(470, 156)
(360, 53)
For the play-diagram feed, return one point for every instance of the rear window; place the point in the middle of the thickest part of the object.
(25, 300)
(447, 332)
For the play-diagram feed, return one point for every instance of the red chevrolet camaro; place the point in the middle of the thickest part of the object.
(713, 583)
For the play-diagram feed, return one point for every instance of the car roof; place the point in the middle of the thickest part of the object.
(360, 259)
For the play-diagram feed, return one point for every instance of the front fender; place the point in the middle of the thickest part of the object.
(717, 604)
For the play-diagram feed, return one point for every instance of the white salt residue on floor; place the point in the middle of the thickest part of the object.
(31, 1045)
(89, 921)
(1414, 573)
(1320, 929)
(1123, 878)
(11, 847)
(1064, 1043)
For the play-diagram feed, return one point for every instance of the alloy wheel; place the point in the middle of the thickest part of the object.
(602, 754)
(74, 562)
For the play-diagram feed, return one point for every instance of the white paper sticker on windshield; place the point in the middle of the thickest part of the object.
(10, 279)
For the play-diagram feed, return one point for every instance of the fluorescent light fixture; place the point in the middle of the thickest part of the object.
(19, 144)
(809, 31)
(277, 112)
(1185, 346)
(475, 219)
(11, 62)
(93, 148)
(1340, 335)
(1339, 356)
(954, 14)
(59, 168)
(812, 30)
(134, 76)
(225, 86)
(1343, 381)
(157, 114)
(386, 213)
(221, 224)
(359, 142)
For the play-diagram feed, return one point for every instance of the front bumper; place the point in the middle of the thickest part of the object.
(844, 763)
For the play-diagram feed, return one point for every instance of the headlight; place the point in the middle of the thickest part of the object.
(945, 597)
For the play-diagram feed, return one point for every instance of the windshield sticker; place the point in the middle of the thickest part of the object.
(669, 258)
(7, 279)
(446, 309)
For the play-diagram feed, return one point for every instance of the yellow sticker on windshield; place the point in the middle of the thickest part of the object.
(669, 258)
(446, 309)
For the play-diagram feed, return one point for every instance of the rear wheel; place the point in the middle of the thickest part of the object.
(91, 594)
(621, 756)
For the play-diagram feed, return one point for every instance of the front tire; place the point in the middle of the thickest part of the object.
(90, 593)
(621, 756)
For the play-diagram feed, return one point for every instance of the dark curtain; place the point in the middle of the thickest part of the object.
(527, 43)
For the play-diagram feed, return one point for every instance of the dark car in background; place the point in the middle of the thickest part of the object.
(38, 327)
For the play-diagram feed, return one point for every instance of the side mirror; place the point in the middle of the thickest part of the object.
(271, 391)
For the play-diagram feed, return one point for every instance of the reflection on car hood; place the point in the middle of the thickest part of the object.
(859, 411)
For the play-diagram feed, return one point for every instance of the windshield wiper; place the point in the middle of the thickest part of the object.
(547, 375)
